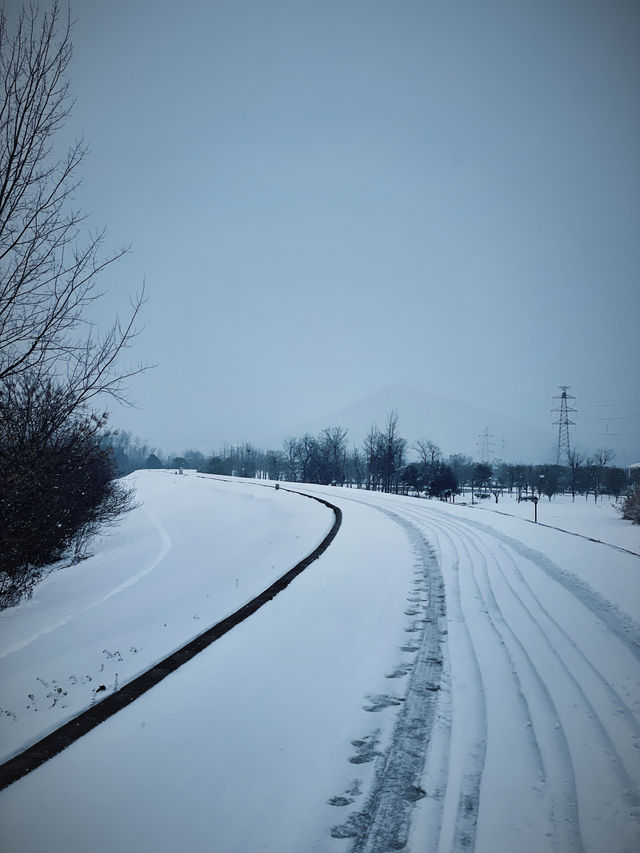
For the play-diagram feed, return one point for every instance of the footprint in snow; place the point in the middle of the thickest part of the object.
(340, 801)
(354, 827)
(354, 789)
(365, 751)
(413, 793)
(401, 670)
(380, 701)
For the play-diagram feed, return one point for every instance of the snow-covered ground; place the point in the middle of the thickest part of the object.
(583, 516)
(448, 677)
(192, 553)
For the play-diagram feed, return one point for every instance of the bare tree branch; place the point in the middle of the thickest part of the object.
(48, 273)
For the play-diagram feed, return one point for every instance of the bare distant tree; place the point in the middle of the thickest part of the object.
(601, 459)
(428, 451)
(576, 460)
(334, 446)
(371, 453)
(354, 462)
(393, 450)
(292, 454)
(48, 274)
(308, 452)
(276, 464)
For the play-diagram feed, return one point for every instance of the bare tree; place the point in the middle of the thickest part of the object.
(354, 462)
(371, 453)
(393, 450)
(308, 450)
(576, 459)
(48, 274)
(601, 459)
(56, 469)
(428, 451)
(334, 447)
(276, 464)
(292, 453)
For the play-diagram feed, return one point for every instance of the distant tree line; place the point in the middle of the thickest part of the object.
(380, 464)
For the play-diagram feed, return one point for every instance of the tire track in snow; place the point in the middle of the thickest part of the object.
(620, 624)
(583, 724)
(586, 724)
(562, 681)
(384, 823)
(509, 715)
(463, 790)
(574, 658)
(564, 648)
(554, 790)
(505, 546)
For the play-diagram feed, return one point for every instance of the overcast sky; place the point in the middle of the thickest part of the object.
(326, 198)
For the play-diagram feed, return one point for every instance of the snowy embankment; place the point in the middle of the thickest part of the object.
(442, 677)
(192, 553)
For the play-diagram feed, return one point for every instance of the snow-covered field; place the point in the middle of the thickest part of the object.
(583, 516)
(445, 677)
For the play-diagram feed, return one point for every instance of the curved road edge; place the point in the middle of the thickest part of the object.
(48, 747)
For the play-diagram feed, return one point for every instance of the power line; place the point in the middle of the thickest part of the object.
(623, 403)
(614, 417)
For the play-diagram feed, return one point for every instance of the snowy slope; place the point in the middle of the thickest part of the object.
(442, 676)
(192, 553)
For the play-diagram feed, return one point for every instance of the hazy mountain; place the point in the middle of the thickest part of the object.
(455, 426)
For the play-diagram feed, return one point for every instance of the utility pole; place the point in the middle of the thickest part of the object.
(563, 423)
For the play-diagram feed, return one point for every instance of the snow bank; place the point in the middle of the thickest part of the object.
(194, 551)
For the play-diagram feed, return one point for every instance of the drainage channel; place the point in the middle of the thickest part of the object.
(32, 757)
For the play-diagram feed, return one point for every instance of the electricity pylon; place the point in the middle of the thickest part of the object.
(563, 423)
(486, 445)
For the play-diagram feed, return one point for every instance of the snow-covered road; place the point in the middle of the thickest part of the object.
(538, 741)
(441, 678)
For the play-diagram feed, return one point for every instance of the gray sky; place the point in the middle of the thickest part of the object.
(326, 198)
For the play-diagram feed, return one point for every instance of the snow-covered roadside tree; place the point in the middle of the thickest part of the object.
(630, 504)
(53, 362)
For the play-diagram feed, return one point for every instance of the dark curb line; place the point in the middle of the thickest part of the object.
(32, 757)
